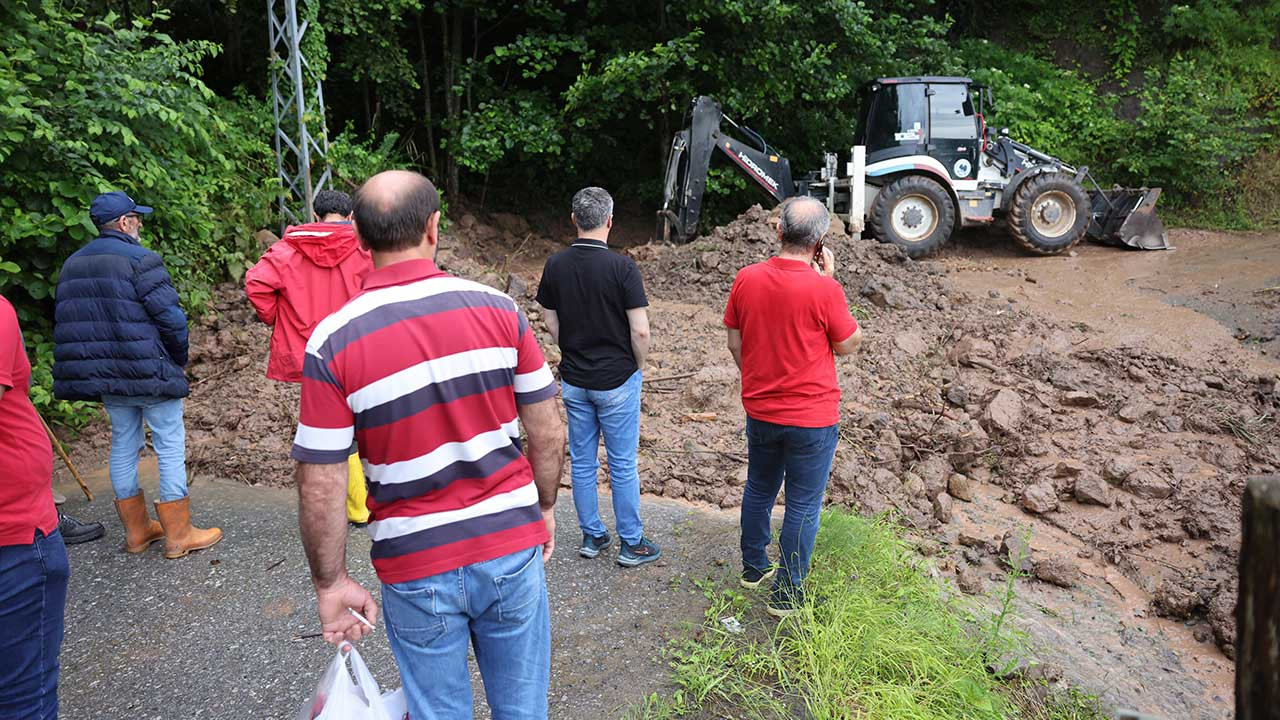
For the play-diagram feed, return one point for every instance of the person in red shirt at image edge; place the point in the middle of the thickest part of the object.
(33, 558)
(785, 321)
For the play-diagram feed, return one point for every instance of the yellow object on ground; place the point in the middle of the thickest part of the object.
(357, 491)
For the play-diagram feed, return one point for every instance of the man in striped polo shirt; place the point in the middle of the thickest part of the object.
(433, 376)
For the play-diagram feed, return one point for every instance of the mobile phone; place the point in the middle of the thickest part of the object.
(817, 254)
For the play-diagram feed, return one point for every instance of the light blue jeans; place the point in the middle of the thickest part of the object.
(168, 435)
(616, 414)
(500, 605)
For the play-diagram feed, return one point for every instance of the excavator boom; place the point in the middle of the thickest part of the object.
(690, 160)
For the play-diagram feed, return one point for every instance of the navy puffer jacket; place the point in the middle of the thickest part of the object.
(118, 327)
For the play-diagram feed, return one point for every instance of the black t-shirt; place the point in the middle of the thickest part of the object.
(591, 288)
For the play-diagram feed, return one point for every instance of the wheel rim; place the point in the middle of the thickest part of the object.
(1053, 214)
(914, 218)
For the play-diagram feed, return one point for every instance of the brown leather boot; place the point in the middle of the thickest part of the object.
(180, 537)
(139, 529)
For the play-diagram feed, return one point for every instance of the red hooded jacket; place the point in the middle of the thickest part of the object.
(301, 280)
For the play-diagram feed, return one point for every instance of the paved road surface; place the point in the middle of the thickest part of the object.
(211, 635)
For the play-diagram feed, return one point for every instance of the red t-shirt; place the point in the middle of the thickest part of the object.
(789, 315)
(26, 457)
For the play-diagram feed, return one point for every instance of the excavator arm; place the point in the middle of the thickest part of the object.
(690, 160)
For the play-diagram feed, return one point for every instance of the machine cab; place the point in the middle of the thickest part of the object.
(908, 117)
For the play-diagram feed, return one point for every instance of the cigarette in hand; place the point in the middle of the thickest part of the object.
(361, 618)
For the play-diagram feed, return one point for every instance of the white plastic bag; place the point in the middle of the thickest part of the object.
(338, 698)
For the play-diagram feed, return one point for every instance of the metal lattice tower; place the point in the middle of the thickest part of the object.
(301, 141)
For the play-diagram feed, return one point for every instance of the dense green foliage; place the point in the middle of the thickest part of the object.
(93, 105)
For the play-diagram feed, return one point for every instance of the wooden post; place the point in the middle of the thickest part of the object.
(1258, 605)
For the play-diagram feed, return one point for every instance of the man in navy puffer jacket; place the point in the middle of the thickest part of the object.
(120, 338)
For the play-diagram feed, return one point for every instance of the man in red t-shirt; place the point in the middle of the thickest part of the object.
(33, 559)
(786, 319)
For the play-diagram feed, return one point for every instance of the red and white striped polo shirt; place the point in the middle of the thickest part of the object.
(425, 371)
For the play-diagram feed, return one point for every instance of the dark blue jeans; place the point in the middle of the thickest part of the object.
(33, 595)
(803, 457)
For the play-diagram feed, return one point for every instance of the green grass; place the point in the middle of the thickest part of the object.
(880, 641)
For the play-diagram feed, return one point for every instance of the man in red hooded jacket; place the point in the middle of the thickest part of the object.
(302, 279)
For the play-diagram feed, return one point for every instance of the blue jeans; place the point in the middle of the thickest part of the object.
(33, 595)
(616, 414)
(803, 455)
(164, 417)
(500, 605)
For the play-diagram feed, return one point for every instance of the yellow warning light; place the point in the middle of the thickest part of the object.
(773, 158)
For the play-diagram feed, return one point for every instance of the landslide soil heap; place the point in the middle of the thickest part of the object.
(952, 398)
(1136, 454)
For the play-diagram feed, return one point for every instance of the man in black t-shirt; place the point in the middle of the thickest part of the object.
(595, 309)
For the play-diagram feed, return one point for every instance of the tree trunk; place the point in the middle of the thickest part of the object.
(1258, 604)
(426, 99)
(451, 29)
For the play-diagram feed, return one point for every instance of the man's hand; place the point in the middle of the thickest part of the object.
(335, 602)
(827, 267)
(549, 517)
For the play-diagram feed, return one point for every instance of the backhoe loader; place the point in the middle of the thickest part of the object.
(924, 164)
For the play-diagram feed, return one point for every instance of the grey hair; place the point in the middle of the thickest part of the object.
(803, 222)
(592, 207)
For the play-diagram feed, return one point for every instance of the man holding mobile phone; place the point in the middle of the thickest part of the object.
(786, 320)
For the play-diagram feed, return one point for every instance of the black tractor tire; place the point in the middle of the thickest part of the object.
(918, 202)
(1049, 213)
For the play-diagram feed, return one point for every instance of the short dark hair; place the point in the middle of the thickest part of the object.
(331, 202)
(393, 220)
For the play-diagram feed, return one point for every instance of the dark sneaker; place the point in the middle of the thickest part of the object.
(593, 544)
(752, 578)
(785, 600)
(75, 532)
(639, 554)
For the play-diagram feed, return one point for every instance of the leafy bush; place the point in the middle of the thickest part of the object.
(90, 106)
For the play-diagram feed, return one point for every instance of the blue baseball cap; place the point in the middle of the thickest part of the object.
(109, 206)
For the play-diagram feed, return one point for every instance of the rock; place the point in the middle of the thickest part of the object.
(1092, 490)
(511, 223)
(516, 286)
(1058, 570)
(1139, 374)
(1148, 485)
(1135, 411)
(943, 507)
(968, 579)
(910, 343)
(709, 260)
(265, 239)
(1077, 398)
(1004, 413)
(1069, 468)
(886, 293)
(973, 352)
(928, 548)
(1175, 601)
(1173, 423)
(960, 487)
(1214, 382)
(466, 221)
(969, 540)
(1039, 498)
(673, 488)
(1117, 469)
(887, 452)
(934, 472)
(913, 485)
(1015, 553)
(886, 481)
(957, 395)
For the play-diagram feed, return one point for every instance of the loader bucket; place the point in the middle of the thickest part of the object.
(1127, 216)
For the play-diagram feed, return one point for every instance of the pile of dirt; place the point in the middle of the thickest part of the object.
(1135, 453)
(1140, 456)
